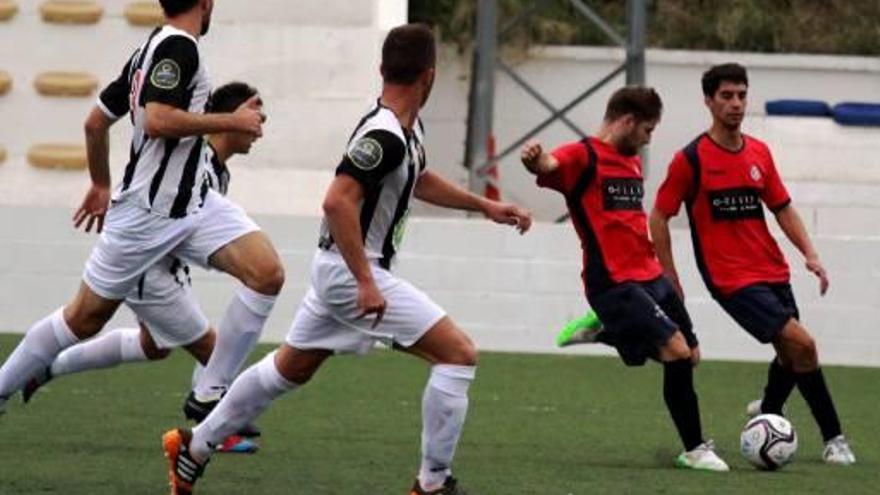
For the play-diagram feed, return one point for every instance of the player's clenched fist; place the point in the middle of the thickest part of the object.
(531, 152)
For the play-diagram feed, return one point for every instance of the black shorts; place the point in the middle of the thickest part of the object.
(762, 309)
(640, 317)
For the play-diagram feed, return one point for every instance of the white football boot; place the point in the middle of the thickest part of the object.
(702, 458)
(837, 451)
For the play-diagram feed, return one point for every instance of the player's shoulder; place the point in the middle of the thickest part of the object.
(383, 121)
(756, 144)
(169, 38)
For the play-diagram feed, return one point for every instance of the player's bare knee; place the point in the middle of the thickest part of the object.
(807, 356)
(267, 279)
(84, 324)
(675, 349)
(156, 354)
(465, 354)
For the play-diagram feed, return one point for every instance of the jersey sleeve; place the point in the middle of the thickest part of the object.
(774, 195)
(372, 156)
(571, 157)
(114, 98)
(676, 187)
(175, 62)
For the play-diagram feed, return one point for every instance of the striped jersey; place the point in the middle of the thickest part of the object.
(217, 174)
(163, 175)
(386, 160)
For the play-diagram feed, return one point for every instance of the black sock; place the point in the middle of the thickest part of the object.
(681, 400)
(815, 391)
(780, 383)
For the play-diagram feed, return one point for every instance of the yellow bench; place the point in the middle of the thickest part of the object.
(59, 156)
(144, 13)
(71, 11)
(8, 9)
(5, 82)
(65, 84)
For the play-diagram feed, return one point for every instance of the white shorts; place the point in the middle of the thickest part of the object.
(164, 301)
(134, 239)
(327, 317)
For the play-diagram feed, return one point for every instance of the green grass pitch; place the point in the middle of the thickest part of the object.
(538, 425)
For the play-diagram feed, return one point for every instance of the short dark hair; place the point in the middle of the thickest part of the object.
(718, 74)
(174, 7)
(228, 97)
(641, 102)
(408, 51)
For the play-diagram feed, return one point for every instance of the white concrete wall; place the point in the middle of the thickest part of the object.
(510, 293)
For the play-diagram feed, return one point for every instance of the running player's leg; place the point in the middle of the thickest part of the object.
(253, 260)
(80, 319)
(278, 372)
(115, 264)
(311, 335)
(453, 359)
(228, 240)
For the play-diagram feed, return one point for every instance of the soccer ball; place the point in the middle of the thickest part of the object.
(768, 441)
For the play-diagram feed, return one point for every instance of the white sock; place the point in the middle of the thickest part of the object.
(247, 398)
(42, 342)
(198, 371)
(236, 336)
(103, 351)
(444, 407)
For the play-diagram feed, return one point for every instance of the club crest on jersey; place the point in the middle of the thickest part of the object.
(166, 74)
(755, 173)
(366, 154)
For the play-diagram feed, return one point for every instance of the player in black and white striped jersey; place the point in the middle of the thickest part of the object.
(157, 208)
(365, 208)
(169, 315)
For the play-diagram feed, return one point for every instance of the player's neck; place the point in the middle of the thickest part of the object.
(222, 149)
(726, 137)
(191, 22)
(607, 135)
(404, 102)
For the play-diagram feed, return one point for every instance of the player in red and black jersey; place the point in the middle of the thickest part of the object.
(725, 178)
(643, 316)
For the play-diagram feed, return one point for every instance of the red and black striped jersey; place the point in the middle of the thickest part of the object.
(604, 191)
(724, 192)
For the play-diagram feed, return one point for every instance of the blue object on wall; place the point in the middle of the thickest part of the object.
(805, 108)
(851, 113)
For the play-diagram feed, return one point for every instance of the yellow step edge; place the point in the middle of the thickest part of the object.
(58, 156)
(2, 154)
(8, 9)
(5, 82)
(144, 13)
(61, 83)
(71, 11)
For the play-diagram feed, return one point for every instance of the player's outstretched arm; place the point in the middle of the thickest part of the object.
(168, 121)
(342, 212)
(659, 225)
(94, 205)
(790, 222)
(536, 161)
(436, 190)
